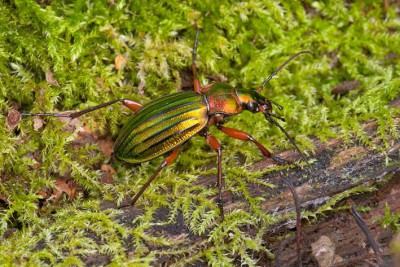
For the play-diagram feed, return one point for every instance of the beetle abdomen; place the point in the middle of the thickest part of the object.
(161, 126)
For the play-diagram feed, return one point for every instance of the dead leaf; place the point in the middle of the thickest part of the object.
(120, 62)
(72, 185)
(50, 78)
(345, 87)
(106, 145)
(70, 125)
(37, 123)
(44, 193)
(61, 187)
(13, 117)
(106, 176)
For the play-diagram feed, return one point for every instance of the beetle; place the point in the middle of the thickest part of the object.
(162, 126)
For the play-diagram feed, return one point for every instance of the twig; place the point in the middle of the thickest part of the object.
(360, 222)
(298, 217)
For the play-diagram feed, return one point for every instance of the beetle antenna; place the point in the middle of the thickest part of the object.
(271, 120)
(194, 51)
(279, 68)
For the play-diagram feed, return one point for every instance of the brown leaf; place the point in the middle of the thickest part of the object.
(44, 193)
(37, 123)
(73, 187)
(61, 187)
(70, 125)
(120, 62)
(13, 118)
(345, 87)
(106, 145)
(50, 79)
(108, 171)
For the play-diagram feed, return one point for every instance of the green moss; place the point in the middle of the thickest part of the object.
(243, 41)
(391, 219)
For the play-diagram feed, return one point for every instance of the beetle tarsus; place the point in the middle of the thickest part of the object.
(271, 120)
(282, 161)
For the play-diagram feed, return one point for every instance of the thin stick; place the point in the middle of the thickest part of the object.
(296, 200)
(360, 222)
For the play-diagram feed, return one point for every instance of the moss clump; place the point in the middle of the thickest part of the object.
(56, 55)
(391, 219)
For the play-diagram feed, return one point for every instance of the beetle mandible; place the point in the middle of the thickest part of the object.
(165, 124)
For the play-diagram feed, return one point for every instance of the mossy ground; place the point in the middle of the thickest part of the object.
(57, 55)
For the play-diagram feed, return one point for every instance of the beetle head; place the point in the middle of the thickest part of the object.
(254, 102)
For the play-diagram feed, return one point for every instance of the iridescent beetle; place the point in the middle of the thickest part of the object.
(164, 125)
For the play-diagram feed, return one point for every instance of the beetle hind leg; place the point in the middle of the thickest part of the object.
(132, 105)
(167, 161)
(216, 146)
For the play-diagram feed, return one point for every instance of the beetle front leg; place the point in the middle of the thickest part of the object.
(167, 161)
(216, 146)
(237, 134)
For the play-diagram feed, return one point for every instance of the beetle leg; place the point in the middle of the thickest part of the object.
(196, 81)
(216, 146)
(132, 105)
(167, 161)
(237, 134)
(126, 102)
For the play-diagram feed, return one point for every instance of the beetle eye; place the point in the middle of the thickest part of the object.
(251, 106)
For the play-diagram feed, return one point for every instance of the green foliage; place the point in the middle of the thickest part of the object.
(330, 203)
(59, 55)
(391, 219)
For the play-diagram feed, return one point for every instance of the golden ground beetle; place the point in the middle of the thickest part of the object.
(163, 125)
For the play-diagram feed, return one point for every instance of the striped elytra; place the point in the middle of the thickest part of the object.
(160, 126)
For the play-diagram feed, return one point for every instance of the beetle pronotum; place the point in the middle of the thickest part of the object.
(163, 125)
